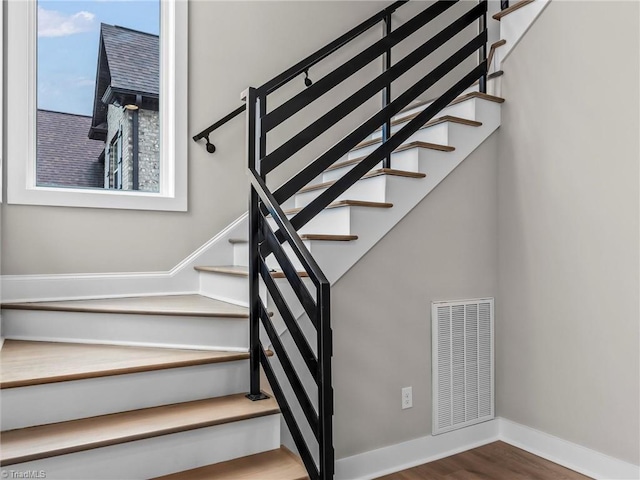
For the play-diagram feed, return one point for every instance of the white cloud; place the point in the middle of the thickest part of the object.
(55, 24)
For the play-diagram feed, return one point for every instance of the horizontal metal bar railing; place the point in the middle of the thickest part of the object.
(340, 74)
(300, 140)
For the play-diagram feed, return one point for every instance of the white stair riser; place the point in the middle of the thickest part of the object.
(241, 254)
(403, 160)
(209, 333)
(438, 133)
(62, 401)
(464, 109)
(225, 287)
(369, 190)
(161, 455)
(334, 221)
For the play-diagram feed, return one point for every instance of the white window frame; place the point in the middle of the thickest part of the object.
(21, 110)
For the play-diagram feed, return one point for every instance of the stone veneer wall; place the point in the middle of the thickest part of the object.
(149, 151)
(148, 147)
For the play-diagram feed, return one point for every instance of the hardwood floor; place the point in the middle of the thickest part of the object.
(496, 461)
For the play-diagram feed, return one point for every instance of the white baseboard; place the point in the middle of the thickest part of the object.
(576, 457)
(395, 458)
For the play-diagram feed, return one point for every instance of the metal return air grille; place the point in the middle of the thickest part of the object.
(462, 363)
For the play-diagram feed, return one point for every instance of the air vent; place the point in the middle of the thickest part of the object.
(462, 363)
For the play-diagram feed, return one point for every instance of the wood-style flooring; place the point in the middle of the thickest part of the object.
(495, 461)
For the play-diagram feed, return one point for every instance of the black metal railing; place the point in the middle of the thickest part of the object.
(270, 228)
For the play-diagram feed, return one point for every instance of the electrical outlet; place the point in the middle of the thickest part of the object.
(407, 397)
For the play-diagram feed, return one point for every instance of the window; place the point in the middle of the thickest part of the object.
(136, 142)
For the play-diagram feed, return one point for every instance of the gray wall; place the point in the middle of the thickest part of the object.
(567, 310)
(445, 249)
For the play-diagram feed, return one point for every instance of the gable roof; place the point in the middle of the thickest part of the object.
(128, 65)
(66, 157)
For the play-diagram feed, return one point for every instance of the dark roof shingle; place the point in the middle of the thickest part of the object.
(66, 157)
(133, 58)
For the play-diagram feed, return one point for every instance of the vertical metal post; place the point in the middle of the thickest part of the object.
(253, 140)
(325, 390)
(482, 26)
(386, 91)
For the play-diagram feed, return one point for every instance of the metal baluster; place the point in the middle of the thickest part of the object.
(482, 26)
(386, 92)
(255, 143)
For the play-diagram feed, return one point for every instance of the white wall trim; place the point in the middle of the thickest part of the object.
(181, 279)
(395, 458)
(570, 455)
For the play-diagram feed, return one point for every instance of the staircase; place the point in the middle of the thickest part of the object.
(154, 386)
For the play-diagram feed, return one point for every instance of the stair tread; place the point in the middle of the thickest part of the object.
(461, 98)
(511, 9)
(240, 270)
(25, 363)
(374, 173)
(327, 237)
(186, 305)
(438, 120)
(279, 464)
(401, 148)
(347, 203)
(44, 441)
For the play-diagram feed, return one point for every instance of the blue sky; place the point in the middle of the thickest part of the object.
(68, 34)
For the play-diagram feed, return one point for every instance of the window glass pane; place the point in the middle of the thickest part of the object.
(97, 123)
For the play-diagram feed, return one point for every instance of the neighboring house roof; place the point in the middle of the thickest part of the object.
(65, 155)
(128, 65)
(133, 59)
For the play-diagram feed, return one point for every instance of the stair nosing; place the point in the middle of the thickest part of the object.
(462, 98)
(346, 203)
(122, 418)
(374, 173)
(320, 237)
(225, 269)
(512, 8)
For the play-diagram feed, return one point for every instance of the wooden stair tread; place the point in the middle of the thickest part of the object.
(326, 237)
(238, 240)
(241, 271)
(279, 464)
(44, 441)
(511, 9)
(436, 121)
(185, 305)
(24, 363)
(373, 173)
(347, 203)
(401, 148)
(461, 98)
